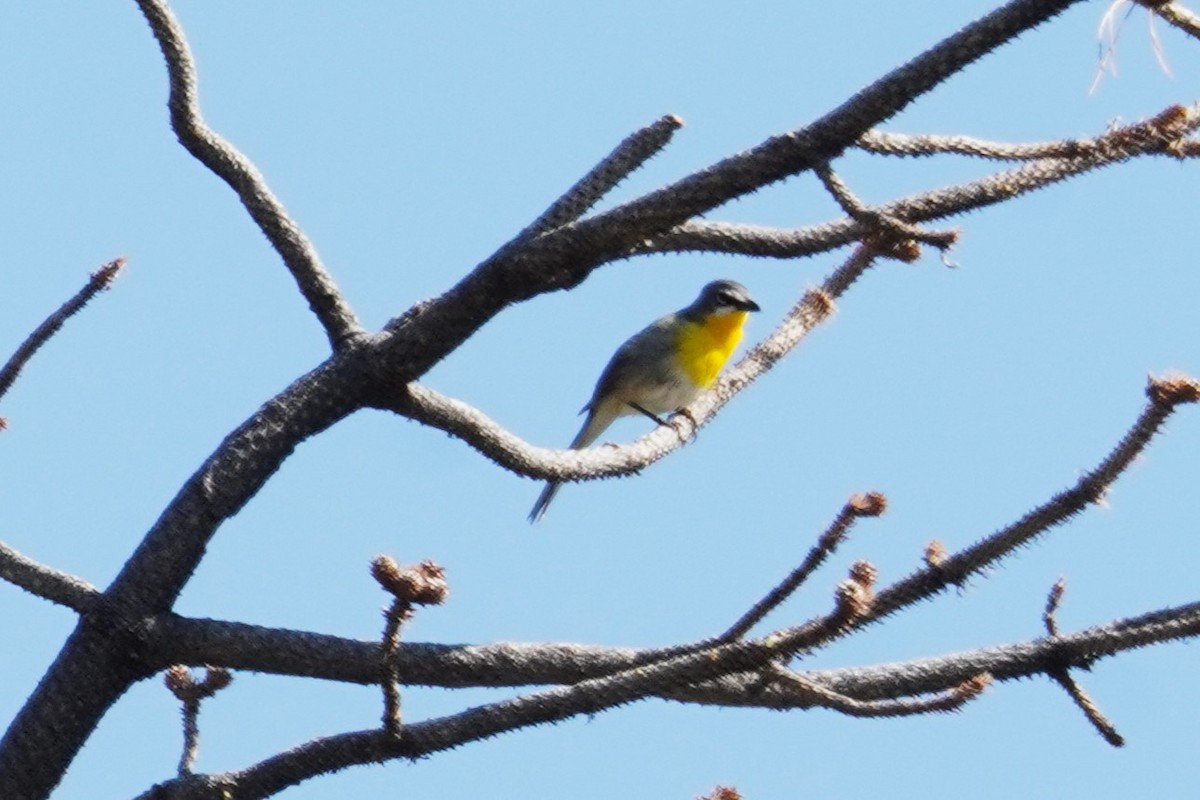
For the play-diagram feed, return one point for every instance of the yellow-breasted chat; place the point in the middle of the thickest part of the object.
(664, 366)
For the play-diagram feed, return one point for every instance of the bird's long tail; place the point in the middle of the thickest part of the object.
(543, 501)
(595, 424)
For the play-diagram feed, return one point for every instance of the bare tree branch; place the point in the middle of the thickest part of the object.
(1161, 135)
(101, 279)
(1053, 598)
(630, 154)
(1164, 394)
(680, 679)
(903, 144)
(191, 693)
(511, 452)
(100, 660)
(1062, 675)
(860, 212)
(422, 738)
(871, 504)
(563, 258)
(117, 640)
(950, 700)
(510, 664)
(923, 676)
(46, 582)
(420, 585)
(215, 152)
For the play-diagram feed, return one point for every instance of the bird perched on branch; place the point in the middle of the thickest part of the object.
(664, 367)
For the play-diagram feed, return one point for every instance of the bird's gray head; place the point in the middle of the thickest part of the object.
(720, 297)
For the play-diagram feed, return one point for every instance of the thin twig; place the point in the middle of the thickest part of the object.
(1089, 708)
(476, 429)
(1053, 598)
(869, 505)
(1164, 394)
(1162, 135)
(629, 155)
(46, 582)
(951, 699)
(397, 614)
(100, 280)
(190, 694)
(1062, 675)
(224, 160)
(423, 584)
(918, 145)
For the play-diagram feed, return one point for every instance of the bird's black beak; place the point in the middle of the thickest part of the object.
(749, 305)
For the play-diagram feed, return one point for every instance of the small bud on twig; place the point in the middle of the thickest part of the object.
(423, 584)
(935, 554)
(1173, 390)
(871, 504)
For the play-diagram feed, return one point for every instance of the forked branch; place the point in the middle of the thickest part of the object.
(511, 452)
(228, 163)
(1162, 135)
(1164, 395)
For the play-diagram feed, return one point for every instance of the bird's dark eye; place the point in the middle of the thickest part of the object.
(726, 297)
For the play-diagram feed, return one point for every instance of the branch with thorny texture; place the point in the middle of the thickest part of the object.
(859, 211)
(191, 692)
(682, 679)
(226, 162)
(563, 258)
(475, 428)
(95, 666)
(420, 585)
(100, 280)
(1162, 135)
(871, 504)
(1062, 675)
(237, 645)
(952, 699)
(46, 582)
(589, 696)
(694, 670)
(1164, 394)
(928, 675)
(629, 155)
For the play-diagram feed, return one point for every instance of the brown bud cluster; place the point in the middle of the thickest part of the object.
(871, 504)
(178, 679)
(1173, 390)
(423, 584)
(104, 276)
(722, 793)
(935, 553)
(890, 246)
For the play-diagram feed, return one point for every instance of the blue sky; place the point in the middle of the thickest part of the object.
(409, 143)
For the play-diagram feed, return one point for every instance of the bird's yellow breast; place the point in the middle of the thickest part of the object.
(704, 347)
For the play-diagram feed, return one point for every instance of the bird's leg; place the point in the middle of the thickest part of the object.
(649, 414)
